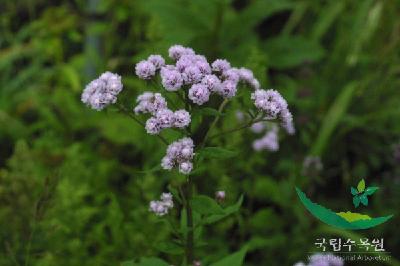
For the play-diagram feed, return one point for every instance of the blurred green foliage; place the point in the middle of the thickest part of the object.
(74, 189)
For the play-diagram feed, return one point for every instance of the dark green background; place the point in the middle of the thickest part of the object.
(74, 189)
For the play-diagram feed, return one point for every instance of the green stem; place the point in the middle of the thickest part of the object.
(189, 217)
(216, 119)
(249, 124)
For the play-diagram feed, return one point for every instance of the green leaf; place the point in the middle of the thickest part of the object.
(216, 153)
(170, 248)
(206, 205)
(235, 259)
(361, 186)
(354, 191)
(289, 51)
(371, 190)
(183, 221)
(150, 261)
(364, 199)
(332, 119)
(356, 201)
(326, 18)
(226, 212)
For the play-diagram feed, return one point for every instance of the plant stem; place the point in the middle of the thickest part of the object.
(131, 115)
(216, 119)
(249, 124)
(189, 218)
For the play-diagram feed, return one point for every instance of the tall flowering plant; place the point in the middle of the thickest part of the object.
(194, 81)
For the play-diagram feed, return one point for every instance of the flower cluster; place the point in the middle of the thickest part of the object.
(268, 142)
(146, 69)
(179, 153)
(200, 79)
(323, 260)
(162, 117)
(102, 91)
(274, 106)
(161, 207)
(195, 72)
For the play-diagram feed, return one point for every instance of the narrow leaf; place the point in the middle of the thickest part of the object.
(206, 205)
(235, 259)
(332, 119)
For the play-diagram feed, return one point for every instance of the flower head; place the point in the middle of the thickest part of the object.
(274, 106)
(212, 82)
(171, 79)
(181, 118)
(102, 91)
(145, 69)
(161, 207)
(192, 75)
(228, 89)
(149, 102)
(165, 118)
(185, 167)
(232, 75)
(220, 195)
(179, 153)
(177, 51)
(157, 60)
(220, 65)
(199, 94)
(153, 126)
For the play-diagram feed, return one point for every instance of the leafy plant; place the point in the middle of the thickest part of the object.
(360, 195)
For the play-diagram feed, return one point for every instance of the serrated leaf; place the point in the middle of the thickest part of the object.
(364, 199)
(235, 259)
(216, 153)
(206, 205)
(361, 186)
(354, 191)
(356, 201)
(371, 190)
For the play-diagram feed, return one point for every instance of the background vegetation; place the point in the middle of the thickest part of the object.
(75, 184)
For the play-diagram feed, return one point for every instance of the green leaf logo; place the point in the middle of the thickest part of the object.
(371, 190)
(360, 195)
(356, 201)
(361, 186)
(354, 191)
